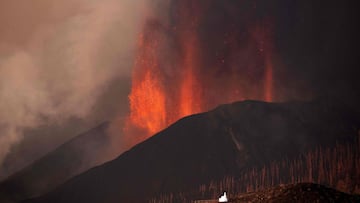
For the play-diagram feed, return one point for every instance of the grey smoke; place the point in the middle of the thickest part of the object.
(57, 58)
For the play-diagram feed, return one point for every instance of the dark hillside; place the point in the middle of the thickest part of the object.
(209, 146)
(68, 160)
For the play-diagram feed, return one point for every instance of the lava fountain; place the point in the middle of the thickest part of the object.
(191, 78)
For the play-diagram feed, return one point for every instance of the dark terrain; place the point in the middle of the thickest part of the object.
(301, 192)
(68, 160)
(208, 146)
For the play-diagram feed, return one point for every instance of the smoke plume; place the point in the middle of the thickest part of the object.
(58, 57)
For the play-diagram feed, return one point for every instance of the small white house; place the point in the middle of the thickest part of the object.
(223, 198)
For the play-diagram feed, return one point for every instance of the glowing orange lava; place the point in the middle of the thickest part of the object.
(147, 104)
(268, 84)
(147, 99)
(161, 94)
(262, 34)
(190, 89)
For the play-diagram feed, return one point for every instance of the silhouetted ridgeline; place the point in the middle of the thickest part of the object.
(234, 140)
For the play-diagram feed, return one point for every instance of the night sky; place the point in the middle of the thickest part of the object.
(316, 43)
(319, 44)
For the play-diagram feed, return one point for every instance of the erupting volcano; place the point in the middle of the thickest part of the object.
(176, 74)
(179, 100)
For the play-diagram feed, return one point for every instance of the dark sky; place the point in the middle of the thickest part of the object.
(315, 43)
(319, 43)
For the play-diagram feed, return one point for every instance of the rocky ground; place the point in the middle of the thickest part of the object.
(302, 192)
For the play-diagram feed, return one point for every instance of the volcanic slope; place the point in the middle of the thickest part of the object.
(209, 146)
(68, 160)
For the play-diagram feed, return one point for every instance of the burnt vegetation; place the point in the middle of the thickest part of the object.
(335, 167)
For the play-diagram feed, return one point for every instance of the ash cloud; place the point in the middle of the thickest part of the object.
(58, 58)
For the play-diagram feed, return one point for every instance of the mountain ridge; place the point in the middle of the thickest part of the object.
(201, 147)
(53, 169)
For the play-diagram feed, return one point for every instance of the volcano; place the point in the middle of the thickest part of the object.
(209, 146)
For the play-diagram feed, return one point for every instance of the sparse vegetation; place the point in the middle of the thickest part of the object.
(337, 167)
